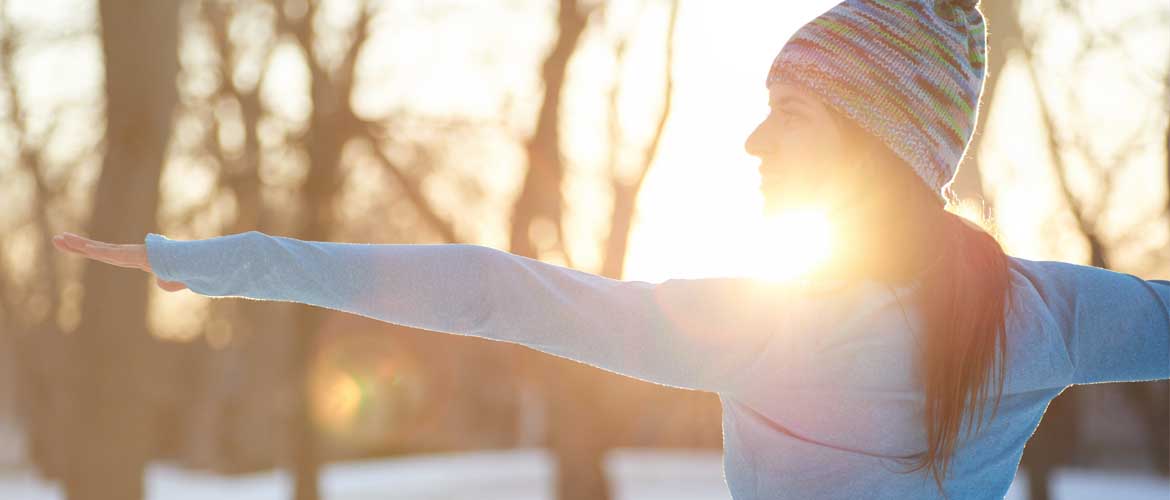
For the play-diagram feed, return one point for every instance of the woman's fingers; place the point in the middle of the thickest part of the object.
(88, 248)
(132, 256)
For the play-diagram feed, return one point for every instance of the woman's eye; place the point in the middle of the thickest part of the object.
(788, 116)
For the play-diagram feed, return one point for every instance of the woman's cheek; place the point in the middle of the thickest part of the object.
(805, 151)
(795, 144)
(822, 151)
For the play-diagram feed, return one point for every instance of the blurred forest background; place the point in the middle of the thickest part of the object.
(603, 135)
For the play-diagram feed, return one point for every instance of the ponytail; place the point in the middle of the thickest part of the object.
(964, 298)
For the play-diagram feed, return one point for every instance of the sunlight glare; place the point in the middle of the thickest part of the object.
(791, 243)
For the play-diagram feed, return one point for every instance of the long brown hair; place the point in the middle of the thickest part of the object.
(965, 301)
(901, 232)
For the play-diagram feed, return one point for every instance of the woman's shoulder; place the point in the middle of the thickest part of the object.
(1064, 285)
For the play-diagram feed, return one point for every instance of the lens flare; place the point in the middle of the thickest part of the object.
(369, 390)
(793, 242)
(339, 398)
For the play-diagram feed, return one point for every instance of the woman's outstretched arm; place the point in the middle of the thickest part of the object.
(689, 333)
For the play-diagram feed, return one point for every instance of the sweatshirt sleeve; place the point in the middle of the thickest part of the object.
(687, 333)
(1117, 325)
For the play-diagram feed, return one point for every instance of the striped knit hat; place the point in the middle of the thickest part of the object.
(907, 71)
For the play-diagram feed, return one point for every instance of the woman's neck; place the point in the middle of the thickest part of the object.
(888, 242)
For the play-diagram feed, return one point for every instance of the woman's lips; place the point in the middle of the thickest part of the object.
(769, 170)
(768, 178)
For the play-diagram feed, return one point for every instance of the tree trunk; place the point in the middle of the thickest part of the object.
(110, 425)
(575, 421)
(1004, 36)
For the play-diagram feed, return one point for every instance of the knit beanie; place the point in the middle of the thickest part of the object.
(910, 72)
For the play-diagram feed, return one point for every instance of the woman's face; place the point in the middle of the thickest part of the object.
(800, 147)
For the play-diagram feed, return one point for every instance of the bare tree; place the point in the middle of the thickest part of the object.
(1166, 99)
(539, 207)
(581, 429)
(332, 124)
(1058, 434)
(236, 394)
(1004, 34)
(29, 308)
(110, 430)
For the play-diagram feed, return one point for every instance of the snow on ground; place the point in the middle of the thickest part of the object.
(526, 474)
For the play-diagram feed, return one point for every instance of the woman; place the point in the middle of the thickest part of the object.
(868, 379)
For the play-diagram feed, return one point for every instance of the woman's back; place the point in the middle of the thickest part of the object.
(833, 402)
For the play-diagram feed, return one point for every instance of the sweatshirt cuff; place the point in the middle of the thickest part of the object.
(158, 250)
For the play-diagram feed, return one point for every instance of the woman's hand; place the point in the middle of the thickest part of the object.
(119, 255)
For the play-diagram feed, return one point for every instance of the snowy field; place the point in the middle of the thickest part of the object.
(525, 475)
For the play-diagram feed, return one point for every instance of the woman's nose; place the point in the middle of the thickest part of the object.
(758, 143)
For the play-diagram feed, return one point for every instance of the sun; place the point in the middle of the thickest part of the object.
(791, 243)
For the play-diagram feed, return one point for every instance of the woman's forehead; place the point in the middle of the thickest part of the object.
(782, 90)
(783, 87)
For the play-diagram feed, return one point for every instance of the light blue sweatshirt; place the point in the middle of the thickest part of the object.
(817, 383)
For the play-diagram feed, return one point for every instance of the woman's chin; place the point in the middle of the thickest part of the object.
(775, 203)
(778, 199)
